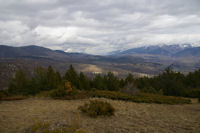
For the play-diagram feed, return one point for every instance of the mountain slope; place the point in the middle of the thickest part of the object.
(194, 52)
(165, 50)
(27, 51)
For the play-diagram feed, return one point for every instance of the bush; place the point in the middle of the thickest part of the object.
(63, 90)
(160, 99)
(199, 99)
(141, 97)
(77, 95)
(112, 95)
(58, 93)
(194, 93)
(97, 108)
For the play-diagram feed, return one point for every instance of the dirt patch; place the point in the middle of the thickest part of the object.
(129, 117)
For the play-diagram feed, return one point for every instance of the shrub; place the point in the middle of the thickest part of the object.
(77, 95)
(194, 93)
(141, 97)
(58, 93)
(199, 99)
(97, 108)
(63, 90)
(160, 99)
(151, 90)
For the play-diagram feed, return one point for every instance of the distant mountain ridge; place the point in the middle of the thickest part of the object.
(194, 51)
(165, 50)
(149, 59)
(143, 61)
(32, 50)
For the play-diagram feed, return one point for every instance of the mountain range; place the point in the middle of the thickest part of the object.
(165, 50)
(141, 61)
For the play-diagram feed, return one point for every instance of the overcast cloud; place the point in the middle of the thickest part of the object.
(99, 26)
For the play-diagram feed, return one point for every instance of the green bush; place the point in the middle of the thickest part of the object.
(112, 95)
(194, 93)
(58, 93)
(63, 92)
(77, 95)
(160, 99)
(97, 108)
(141, 97)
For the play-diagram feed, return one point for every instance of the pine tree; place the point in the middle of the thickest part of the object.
(84, 83)
(72, 77)
(129, 78)
(52, 79)
(112, 82)
(40, 80)
(20, 84)
(99, 83)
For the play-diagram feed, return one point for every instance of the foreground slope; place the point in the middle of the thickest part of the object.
(15, 116)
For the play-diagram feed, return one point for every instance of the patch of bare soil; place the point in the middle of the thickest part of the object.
(15, 116)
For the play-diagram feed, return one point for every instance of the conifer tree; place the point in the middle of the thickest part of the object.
(99, 83)
(40, 80)
(20, 84)
(52, 78)
(129, 78)
(72, 77)
(84, 83)
(112, 82)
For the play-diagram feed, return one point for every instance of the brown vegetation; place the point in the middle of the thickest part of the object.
(16, 116)
(97, 108)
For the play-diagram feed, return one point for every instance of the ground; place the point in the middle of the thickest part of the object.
(129, 117)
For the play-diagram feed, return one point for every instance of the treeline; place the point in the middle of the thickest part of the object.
(48, 79)
(168, 83)
(172, 83)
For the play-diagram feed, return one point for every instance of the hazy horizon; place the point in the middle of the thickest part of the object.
(99, 27)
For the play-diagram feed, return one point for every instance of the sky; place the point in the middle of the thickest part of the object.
(99, 26)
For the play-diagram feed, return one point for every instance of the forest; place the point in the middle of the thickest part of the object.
(169, 83)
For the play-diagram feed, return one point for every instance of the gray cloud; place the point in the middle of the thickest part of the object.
(98, 27)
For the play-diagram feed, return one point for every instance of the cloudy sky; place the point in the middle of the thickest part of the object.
(99, 26)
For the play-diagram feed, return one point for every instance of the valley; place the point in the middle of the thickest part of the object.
(144, 61)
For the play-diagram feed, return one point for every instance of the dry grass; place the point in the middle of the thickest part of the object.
(129, 117)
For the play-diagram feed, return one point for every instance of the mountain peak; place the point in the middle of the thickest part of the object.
(165, 50)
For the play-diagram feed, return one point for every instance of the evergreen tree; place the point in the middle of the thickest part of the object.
(112, 82)
(84, 83)
(20, 84)
(40, 79)
(129, 78)
(52, 79)
(58, 77)
(99, 83)
(72, 77)
(193, 79)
